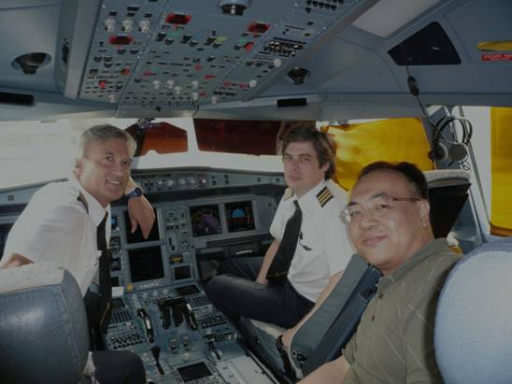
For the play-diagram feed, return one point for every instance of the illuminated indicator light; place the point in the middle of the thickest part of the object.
(221, 39)
(179, 19)
(177, 90)
(170, 84)
(112, 98)
(253, 83)
(209, 77)
(120, 40)
(144, 26)
(102, 84)
(195, 84)
(156, 84)
(248, 47)
(110, 25)
(195, 96)
(278, 63)
(127, 25)
(227, 83)
(198, 67)
(202, 93)
(125, 71)
(149, 73)
(258, 27)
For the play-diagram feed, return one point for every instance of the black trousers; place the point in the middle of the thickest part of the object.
(92, 308)
(118, 367)
(235, 292)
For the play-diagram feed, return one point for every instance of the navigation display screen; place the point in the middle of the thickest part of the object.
(205, 220)
(146, 264)
(194, 372)
(240, 216)
(137, 236)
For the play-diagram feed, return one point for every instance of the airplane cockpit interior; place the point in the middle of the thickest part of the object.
(208, 89)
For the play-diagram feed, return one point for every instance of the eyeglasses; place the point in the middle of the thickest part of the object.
(380, 206)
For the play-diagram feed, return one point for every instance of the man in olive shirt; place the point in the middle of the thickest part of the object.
(388, 217)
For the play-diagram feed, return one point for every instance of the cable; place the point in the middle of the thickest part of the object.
(458, 149)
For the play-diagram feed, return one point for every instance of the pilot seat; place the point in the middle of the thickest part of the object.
(43, 326)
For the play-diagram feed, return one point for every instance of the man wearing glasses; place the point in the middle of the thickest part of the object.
(388, 219)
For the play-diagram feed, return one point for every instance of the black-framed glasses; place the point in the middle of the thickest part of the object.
(380, 206)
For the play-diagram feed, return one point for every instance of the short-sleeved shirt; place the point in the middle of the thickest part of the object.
(394, 342)
(323, 248)
(57, 227)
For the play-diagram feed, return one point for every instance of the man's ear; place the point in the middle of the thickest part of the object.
(79, 167)
(324, 167)
(424, 207)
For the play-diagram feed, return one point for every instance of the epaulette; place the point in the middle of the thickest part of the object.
(324, 196)
(287, 194)
(81, 198)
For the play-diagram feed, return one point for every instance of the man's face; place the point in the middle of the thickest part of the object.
(302, 171)
(387, 232)
(104, 170)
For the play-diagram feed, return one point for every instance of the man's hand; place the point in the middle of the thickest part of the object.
(287, 337)
(261, 279)
(141, 215)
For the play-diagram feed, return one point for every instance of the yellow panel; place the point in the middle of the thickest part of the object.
(389, 140)
(495, 46)
(501, 170)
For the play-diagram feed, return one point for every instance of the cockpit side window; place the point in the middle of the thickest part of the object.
(391, 140)
(501, 171)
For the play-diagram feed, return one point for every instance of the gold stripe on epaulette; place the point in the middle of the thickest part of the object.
(81, 198)
(287, 194)
(324, 196)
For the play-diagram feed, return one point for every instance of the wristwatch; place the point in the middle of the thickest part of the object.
(136, 192)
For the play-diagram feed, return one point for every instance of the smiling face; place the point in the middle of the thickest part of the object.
(104, 169)
(302, 170)
(388, 239)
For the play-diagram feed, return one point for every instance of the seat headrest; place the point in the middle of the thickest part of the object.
(442, 177)
(43, 326)
(448, 192)
(473, 329)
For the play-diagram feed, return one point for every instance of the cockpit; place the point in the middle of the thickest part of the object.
(208, 89)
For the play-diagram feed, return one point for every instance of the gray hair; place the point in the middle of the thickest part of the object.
(103, 133)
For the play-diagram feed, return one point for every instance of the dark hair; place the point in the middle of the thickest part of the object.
(410, 171)
(102, 133)
(324, 146)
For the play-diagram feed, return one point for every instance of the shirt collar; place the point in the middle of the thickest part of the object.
(96, 211)
(309, 199)
(425, 252)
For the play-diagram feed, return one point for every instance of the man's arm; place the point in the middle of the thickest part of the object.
(140, 211)
(267, 261)
(288, 335)
(333, 372)
(16, 260)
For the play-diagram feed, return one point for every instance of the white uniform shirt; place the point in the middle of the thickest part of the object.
(324, 248)
(55, 227)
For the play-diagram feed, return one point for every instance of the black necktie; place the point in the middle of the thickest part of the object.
(284, 255)
(104, 273)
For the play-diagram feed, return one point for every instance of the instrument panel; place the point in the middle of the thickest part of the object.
(160, 310)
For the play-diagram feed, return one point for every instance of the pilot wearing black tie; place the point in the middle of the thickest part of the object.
(310, 250)
(68, 223)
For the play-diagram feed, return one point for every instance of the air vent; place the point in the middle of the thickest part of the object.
(297, 102)
(16, 99)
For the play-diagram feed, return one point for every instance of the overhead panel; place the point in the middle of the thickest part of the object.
(181, 54)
